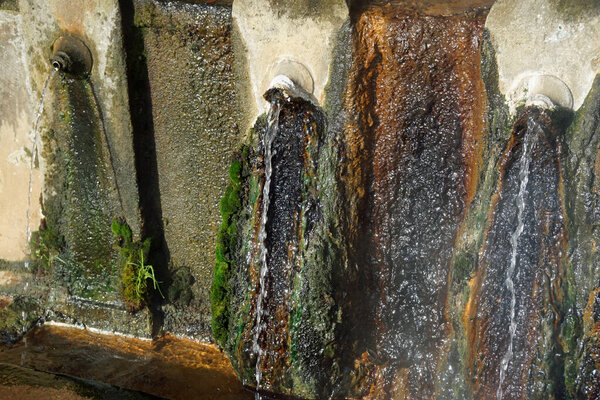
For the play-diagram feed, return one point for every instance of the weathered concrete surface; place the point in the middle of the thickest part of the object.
(300, 31)
(541, 37)
(98, 23)
(16, 143)
(194, 109)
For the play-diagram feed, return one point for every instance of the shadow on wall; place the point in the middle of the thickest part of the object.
(140, 105)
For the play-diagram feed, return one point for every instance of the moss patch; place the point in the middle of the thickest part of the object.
(134, 273)
(219, 294)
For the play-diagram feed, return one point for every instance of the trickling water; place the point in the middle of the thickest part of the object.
(35, 135)
(514, 241)
(270, 133)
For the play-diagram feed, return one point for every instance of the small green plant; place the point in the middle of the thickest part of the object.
(134, 272)
(144, 272)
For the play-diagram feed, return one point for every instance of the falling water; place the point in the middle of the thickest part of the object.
(514, 241)
(271, 132)
(36, 133)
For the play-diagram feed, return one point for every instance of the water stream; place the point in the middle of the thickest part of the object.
(36, 134)
(270, 133)
(514, 242)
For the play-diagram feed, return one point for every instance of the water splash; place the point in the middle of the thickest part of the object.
(34, 148)
(269, 136)
(514, 242)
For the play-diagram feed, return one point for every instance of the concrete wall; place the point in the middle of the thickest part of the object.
(16, 143)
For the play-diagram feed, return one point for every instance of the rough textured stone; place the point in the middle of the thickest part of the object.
(412, 147)
(427, 7)
(168, 367)
(25, 384)
(189, 58)
(98, 23)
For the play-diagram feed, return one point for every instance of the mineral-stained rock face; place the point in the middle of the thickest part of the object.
(524, 248)
(412, 147)
(579, 330)
(281, 342)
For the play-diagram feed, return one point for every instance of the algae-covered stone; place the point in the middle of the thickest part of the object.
(9, 5)
(17, 316)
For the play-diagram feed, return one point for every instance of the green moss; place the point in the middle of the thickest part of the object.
(9, 5)
(134, 273)
(46, 244)
(464, 265)
(229, 206)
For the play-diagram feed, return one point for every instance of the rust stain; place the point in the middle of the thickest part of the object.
(5, 302)
(471, 323)
(427, 7)
(401, 386)
(403, 61)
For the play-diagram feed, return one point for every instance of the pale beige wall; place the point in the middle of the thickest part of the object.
(16, 141)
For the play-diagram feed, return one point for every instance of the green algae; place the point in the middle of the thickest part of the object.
(134, 273)
(229, 207)
(9, 5)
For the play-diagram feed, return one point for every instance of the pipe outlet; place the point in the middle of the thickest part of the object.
(545, 91)
(71, 56)
(292, 78)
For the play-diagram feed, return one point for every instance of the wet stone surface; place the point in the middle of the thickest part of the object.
(283, 335)
(416, 103)
(187, 50)
(166, 367)
(526, 229)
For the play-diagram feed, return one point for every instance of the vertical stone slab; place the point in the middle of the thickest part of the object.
(98, 23)
(190, 58)
(16, 142)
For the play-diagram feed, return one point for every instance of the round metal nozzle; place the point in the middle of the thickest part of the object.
(541, 101)
(61, 61)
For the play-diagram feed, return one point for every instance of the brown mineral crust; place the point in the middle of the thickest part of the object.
(486, 316)
(417, 108)
(427, 7)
